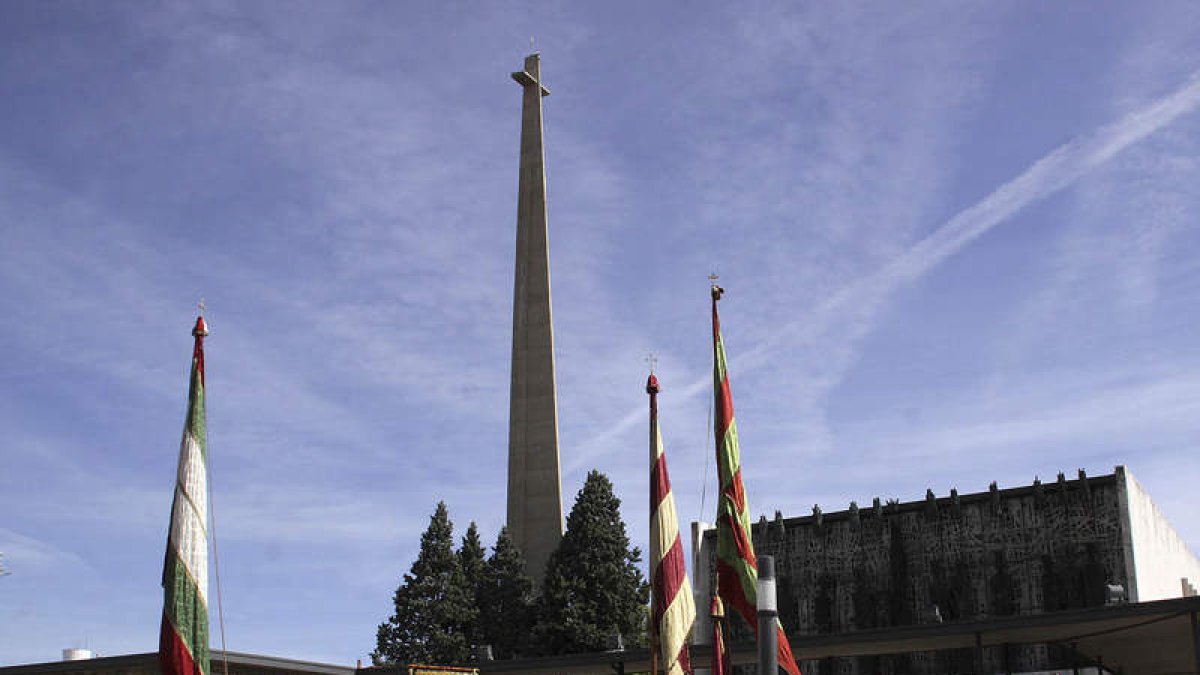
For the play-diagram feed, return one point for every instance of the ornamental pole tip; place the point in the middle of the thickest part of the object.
(201, 329)
(717, 608)
(652, 385)
(717, 291)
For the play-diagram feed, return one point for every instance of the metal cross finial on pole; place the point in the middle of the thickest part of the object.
(652, 361)
(531, 47)
(717, 291)
(200, 330)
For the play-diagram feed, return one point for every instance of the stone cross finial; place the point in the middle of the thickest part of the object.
(531, 76)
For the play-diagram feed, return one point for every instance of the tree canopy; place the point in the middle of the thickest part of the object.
(433, 611)
(453, 601)
(471, 560)
(506, 600)
(593, 587)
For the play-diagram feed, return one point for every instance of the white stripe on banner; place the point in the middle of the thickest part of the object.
(188, 520)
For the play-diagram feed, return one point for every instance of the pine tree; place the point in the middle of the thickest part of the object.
(593, 587)
(427, 626)
(506, 600)
(471, 561)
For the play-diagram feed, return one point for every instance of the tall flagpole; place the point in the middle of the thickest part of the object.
(652, 389)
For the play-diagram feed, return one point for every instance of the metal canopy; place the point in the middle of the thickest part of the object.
(1150, 638)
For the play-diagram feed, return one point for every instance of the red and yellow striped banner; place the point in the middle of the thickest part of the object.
(672, 605)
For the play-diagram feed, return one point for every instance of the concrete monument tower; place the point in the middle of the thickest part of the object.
(534, 489)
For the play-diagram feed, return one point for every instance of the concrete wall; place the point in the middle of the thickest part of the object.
(702, 572)
(1160, 559)
(1025, 550)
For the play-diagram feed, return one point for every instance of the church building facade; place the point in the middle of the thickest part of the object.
(1037, 548)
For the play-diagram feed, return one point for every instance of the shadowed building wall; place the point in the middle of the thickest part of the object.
(961, 558)
(534, 487)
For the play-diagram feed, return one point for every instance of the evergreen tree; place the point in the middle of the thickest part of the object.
(506, 601)
(471, 561)
(593, 587)
(430, 604)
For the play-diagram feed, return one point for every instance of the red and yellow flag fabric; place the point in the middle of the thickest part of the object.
(737, 568)
(673, 608)
(183, 639)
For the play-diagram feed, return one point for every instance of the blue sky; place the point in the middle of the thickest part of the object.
(959, 243)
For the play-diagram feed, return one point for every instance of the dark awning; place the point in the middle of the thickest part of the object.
(1149, 638)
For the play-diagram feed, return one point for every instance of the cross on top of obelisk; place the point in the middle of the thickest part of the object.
(531, 76)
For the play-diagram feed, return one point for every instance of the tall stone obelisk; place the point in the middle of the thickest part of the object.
(534, 489)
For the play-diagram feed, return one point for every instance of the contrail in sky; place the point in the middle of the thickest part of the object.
(1048, 175)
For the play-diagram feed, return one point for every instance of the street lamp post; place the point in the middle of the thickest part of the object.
(768, 614)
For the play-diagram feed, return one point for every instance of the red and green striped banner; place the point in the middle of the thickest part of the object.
(737, 568)
(183, 639)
